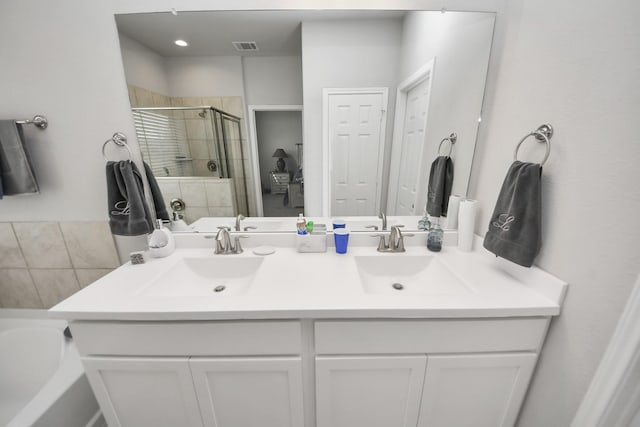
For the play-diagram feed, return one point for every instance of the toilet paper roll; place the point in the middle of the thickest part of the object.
(452, 211)
(466, 224)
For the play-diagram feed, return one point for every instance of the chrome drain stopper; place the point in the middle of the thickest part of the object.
(398, 286)
(219, 288)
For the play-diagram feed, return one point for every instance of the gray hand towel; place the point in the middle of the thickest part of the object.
(128, 212)
(515, 226)
(15, 165)
(440, 182)
(156, 194)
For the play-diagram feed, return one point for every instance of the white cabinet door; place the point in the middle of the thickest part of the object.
(141, 392)
(369, 391)
(249, 392)
(475, 390)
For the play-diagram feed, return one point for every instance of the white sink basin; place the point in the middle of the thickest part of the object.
(212, 276)
(408, 275)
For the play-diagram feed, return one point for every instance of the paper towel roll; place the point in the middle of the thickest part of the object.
(466, 224)
(452, 212)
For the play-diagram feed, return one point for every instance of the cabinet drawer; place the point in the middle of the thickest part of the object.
(279, 188)
(429, 336)
(187, 338)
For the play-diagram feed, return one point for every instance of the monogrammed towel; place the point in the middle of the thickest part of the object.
(515, 226)
(128, 212)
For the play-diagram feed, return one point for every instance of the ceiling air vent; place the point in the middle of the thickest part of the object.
(245, 46)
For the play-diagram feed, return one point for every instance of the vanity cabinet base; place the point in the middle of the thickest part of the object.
(351, 373)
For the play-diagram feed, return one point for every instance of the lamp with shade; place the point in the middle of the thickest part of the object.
(281, 155)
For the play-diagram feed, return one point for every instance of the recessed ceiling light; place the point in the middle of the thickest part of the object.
(181, 43)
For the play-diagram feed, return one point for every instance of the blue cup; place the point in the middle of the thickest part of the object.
(341, 239)
(339, 223)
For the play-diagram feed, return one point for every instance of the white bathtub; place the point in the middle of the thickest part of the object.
(42, 381)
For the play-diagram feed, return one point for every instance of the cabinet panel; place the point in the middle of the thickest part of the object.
(369, 391)
(476, 390)
(249, 392)
(429, 336)
(144, 392)
(222, 338)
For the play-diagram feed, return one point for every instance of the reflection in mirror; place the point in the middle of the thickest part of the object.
(381, 89)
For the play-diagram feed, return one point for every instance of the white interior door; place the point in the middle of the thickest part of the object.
(415, 122)
(355, 131)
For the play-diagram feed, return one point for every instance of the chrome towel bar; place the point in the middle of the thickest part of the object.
(38, 120)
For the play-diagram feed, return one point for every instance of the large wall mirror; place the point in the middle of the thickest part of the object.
(335, 113)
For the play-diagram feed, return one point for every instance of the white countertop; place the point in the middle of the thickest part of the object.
(290, 285)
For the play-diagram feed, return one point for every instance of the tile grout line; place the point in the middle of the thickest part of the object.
(33, 282)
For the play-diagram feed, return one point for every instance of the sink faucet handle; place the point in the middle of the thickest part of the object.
(237, 248)
(375, 227)
(250, 227)
(223, 227)
(382, 245)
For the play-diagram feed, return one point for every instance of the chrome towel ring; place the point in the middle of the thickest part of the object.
(452, 140)
(542, 134)
(120, 139)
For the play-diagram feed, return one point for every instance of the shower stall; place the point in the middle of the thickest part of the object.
(200, 141)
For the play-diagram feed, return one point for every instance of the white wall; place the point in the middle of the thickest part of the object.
(343, 54)
(70, 70)
(273, 80)
(277, 129)
(461, 44)
(576, 66)
(198, 76)
(142, 66)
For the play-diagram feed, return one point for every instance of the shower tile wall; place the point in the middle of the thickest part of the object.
(199, 133)
(202, 196)
(42, 263)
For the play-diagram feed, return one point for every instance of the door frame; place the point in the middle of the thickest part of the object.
(421, 74)
(253, 145)
(326, 149)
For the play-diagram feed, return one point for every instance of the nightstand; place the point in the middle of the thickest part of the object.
(279, 182)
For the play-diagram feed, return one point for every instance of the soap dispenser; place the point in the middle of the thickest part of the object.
(161, 241)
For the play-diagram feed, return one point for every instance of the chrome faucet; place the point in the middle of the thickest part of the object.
(383, 217)
(239, 218)
(223, 242)
(396, 240)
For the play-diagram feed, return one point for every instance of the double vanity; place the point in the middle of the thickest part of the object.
(313, 339)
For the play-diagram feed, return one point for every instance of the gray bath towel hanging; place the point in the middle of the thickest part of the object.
(128, 212)
(440, 183)
(515, 226)
(15, 165)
